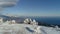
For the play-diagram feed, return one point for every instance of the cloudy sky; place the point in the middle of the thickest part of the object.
(33, 8)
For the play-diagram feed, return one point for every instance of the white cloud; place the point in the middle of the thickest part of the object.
(8, 3)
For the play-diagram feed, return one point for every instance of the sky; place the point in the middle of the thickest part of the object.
(34, 8)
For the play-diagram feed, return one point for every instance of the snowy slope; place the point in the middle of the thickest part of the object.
(26, 29)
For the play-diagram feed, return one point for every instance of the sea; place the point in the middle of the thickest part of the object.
(48, 20)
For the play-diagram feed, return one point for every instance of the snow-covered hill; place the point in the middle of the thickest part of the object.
(27, 29)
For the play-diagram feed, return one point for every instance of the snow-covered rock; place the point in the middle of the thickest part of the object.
(26, 29)
(30, 21)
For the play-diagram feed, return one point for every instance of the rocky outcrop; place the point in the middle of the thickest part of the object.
(30, 21)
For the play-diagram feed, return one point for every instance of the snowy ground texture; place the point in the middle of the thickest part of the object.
(27, 29)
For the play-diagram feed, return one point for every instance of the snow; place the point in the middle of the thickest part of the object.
(26, 29)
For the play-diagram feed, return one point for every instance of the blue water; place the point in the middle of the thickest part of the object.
(48, 20)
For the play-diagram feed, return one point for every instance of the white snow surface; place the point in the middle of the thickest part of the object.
(26, 29)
